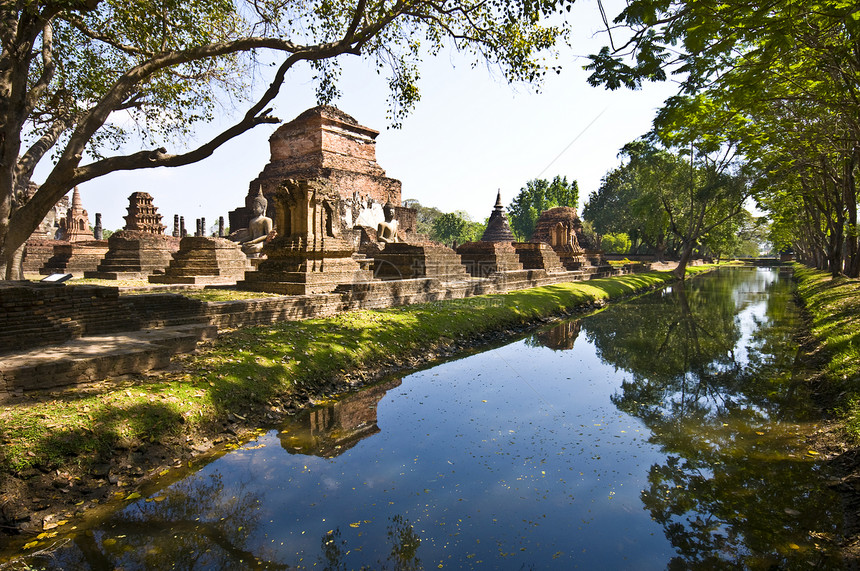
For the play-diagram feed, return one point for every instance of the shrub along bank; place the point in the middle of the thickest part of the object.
(120, 433)
(833, 305)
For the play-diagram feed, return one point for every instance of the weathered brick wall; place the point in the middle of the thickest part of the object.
(35, 315)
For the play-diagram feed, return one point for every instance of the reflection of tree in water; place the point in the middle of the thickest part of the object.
(736, 486)
(558, 338)
(402, 557)
(330, 430)
(195, 524)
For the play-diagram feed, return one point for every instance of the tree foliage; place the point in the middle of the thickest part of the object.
(73, 74)
(785, 78)
(537, 196)
(426, 215)
(616, 243)
(660, 197)
(456, 227)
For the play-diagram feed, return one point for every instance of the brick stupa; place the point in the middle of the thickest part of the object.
(204, 260)
(75, 226)
(561, 228)
(40, 245)
(79, 251)
(326, 144)
(141, 249)
(494, 252)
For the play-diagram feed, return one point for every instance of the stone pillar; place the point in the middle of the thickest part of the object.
(176, 230)
(203, 226)
(97, 230)
(182, 227)
(197, 232)
(220, 226)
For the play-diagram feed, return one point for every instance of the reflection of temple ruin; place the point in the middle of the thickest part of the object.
(329, 431)
(561, 337)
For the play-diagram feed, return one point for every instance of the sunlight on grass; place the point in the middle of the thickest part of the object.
(834, 307)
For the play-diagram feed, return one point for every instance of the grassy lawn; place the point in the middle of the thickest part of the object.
(245, 371)
(834, 307)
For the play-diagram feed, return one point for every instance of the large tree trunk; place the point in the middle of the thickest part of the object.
(13, 266)
(680, 272)
(852, 241)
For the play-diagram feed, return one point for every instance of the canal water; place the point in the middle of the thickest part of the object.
(663, 432)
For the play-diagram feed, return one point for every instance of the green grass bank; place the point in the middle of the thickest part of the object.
(143, 427)
(833, 305)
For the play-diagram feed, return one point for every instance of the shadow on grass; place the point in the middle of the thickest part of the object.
(38, 441)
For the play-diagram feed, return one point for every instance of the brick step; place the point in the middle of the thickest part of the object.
(28, 339)
(97, 357)
(173, 322)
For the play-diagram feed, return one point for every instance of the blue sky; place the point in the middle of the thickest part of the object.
(470, 135)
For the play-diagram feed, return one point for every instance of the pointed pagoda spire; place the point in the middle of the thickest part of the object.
(498, 229)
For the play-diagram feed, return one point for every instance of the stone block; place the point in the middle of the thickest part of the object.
(484, 258)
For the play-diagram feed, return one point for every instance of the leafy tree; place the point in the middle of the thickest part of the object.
(426, 216)
(616, 243)
(69, 69)
(620, 206)
(801, 127)
(743, 236)
(456, 226)
(537, 196)
(689, 194)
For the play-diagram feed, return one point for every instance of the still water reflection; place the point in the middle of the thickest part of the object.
(662, 432)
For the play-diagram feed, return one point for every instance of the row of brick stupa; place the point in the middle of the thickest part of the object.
(328, 199)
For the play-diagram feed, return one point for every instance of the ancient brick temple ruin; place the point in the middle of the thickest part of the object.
(327, 145)
(339, 224)
(328, 198)
(561, 228)
(75, 249)
(313, 251)
(40, 246)
(495, 251)
(75, 226)
(141, 248)
(203, 260)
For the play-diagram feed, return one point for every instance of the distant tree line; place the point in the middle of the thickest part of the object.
(446, 227)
